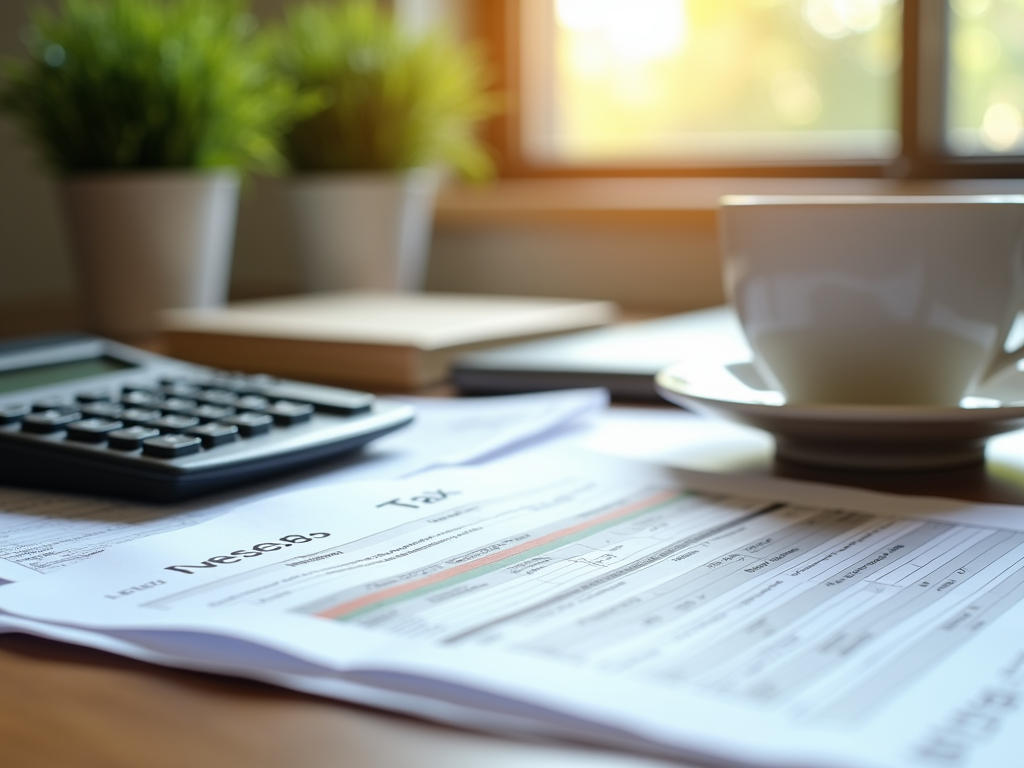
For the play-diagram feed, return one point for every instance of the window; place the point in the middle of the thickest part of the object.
(986, 82)
(759, 87)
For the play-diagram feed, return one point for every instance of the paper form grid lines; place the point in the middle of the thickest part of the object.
(351, 609)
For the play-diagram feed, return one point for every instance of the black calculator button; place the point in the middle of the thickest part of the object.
(252, 403)
(148, 388)
(226, 381)
(130, 438)
(251, 424)
(181, 389)
(142, 399)
(54, 404)
(93, 430)
(345, 402)
(94, 396)
(177, 405)
(258, 382)
(217, 397)
(11, 414)
(174, 423)
(206, 413)
(213, 435)
(48, 422)
(103, 410)
(235, 380)
(285, 413)
(170, 446)
(138, 416)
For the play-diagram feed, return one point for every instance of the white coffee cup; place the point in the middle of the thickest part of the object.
(880, 300)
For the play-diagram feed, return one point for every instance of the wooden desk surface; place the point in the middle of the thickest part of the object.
(73, 707)
(67, 707)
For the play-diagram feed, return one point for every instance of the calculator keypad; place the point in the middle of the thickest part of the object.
(181, 415)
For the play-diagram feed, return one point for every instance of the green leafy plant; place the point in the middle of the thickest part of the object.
(141, 84)
(394, 100)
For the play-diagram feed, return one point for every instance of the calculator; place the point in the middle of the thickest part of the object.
(83, 413)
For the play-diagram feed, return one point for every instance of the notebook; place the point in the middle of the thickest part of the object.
(624, 358)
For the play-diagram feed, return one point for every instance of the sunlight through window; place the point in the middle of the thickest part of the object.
(634, 81)
(986, 77)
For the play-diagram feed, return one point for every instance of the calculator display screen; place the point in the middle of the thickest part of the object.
(55, 373)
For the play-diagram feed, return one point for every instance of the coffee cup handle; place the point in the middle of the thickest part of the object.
(1003, 361)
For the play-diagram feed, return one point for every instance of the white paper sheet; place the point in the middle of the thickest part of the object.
(41, 532)
(760, 622)
(152, 648)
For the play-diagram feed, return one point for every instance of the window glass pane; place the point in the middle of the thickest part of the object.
(986, 77)
(634, 81)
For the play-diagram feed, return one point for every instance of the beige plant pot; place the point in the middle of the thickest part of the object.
(364, 230)
(148, 241)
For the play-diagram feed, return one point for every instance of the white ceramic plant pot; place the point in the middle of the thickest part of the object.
(149, 241)
(364, 230)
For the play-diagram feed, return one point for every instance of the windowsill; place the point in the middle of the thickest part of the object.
(647, 243)
(660, 200)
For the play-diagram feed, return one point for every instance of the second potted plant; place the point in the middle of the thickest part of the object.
(399, 109)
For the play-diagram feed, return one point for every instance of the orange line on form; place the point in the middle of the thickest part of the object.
(351, 606)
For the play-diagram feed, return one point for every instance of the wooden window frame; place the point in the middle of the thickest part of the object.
(921, 124)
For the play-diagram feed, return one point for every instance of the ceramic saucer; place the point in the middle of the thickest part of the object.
(867, 437)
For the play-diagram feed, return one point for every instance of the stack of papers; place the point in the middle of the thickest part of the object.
(556, 591)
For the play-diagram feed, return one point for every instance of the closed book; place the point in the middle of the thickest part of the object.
(396, 341)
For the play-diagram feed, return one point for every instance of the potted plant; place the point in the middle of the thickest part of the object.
(398, 108)
(148, 111)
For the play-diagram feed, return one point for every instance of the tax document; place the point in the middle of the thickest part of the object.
(755, 622)
(41, 532)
